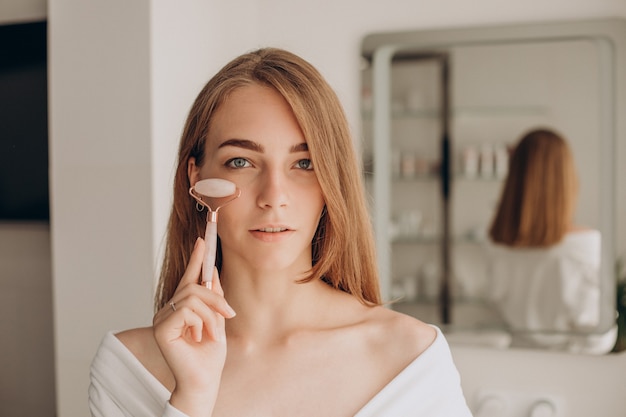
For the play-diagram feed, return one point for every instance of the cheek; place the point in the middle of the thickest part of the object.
(313, 204)
(317, 198)
(229, 216)
(225, 230)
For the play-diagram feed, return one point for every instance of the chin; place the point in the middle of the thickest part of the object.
(275, 261)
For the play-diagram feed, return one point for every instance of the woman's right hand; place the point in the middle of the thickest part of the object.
(190, 332)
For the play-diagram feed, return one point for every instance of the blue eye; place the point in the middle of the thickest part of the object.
(237, 163)
(305, 164)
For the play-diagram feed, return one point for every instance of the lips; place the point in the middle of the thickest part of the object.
(272, 229)
(272, 233)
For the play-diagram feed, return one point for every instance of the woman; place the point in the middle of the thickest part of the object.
(293, 324)
(545, 269)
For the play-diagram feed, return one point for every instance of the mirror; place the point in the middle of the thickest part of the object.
(440, 110)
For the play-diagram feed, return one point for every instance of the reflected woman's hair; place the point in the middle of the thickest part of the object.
(538, 201)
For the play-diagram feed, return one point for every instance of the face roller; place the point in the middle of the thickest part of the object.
(212, 188)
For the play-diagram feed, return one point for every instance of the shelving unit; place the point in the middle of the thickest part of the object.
(426, 128)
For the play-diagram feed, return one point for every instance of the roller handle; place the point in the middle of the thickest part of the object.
(210, 239)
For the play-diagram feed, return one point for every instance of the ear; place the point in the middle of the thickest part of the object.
(193, 171)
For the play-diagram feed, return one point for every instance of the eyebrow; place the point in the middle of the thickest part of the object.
(253, 146)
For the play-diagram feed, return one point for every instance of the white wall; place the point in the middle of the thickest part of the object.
(100, 176)
(122, 76)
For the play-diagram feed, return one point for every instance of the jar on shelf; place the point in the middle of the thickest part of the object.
(486, 160)
(501, 161)
(407, 164)
(469, 161)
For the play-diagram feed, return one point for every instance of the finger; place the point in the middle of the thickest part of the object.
(222, 307)
(194, 268)
(184, 322)
(207, 305)
(217, 285)
(164, 312)
(213, 323)
(191, 323)
(210, 298)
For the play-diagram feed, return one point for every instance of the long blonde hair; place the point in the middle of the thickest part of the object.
(343, 246)
(537, 205)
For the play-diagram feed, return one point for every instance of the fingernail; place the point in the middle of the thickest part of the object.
(230, 311)
(197, 241)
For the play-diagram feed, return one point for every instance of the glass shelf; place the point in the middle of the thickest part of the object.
(427, 240)
(465, 111)
(471, 314)
(433, 177)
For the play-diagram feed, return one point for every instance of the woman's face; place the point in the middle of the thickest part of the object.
(256, 142)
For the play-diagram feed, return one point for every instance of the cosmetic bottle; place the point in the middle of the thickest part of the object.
(469, 161)
(501, 159)
(486, 161)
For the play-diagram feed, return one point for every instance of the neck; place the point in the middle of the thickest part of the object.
(270, 305)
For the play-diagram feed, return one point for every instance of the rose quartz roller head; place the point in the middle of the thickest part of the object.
(215, 188)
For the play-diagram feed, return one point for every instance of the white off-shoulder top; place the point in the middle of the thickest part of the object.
(552, 297)
(429, 386)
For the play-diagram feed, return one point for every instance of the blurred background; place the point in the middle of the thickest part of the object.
(119, 79)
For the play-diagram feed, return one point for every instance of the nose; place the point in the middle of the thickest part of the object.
(272, 190)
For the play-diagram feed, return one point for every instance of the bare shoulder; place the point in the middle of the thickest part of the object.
(141, 343)
(383, 336)
(400, 335)
(386, 333)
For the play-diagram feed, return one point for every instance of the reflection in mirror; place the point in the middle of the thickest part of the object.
(425, 117)
(543, 268)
